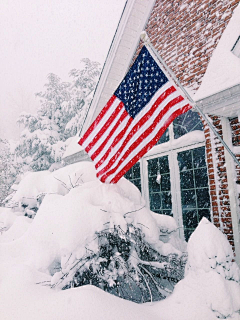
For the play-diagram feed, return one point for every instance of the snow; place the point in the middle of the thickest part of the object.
(224, 67)
(66, 222)
(17, 229)
(73, 146)
(187, 139)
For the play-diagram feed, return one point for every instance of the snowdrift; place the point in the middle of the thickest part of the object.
(75, 206)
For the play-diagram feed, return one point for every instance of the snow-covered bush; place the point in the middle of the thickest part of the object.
(113, 242)
(124, 264)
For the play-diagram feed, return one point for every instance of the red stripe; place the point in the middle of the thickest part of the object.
(115, 141)
(98, 119)
(146, 148)
(105, 126)
(111, 133)
(143, 136)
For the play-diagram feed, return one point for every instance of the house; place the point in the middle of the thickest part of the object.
(188, 174)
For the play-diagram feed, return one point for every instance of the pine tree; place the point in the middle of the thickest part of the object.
(8, 169)
(60, 115)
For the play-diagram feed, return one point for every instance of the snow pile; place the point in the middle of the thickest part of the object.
(213, 252)
(210, 263)
(65, 226)
(76, 206)
(35, 185)
(210, 289)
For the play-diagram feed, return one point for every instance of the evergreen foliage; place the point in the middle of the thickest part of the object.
(123, 264)
(8, 169)
(59, 117)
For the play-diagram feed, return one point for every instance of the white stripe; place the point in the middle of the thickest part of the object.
(110, 141)
(145, 141)
(143, 127)
(101, 123)
(106, 133)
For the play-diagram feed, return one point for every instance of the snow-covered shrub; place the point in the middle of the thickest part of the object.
(124, 264)
(116, 242)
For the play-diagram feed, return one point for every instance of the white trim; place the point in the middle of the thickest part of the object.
(231, 178)
(174, 175)
(224, 103)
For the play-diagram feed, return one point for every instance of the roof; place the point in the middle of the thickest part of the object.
(220, 88)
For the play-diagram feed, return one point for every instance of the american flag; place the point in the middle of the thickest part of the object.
(134, 119)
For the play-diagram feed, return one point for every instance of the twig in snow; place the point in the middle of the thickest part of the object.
(63, 183)
(70, 181)
(133, 211)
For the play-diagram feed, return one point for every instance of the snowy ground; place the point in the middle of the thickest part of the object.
(75, 206)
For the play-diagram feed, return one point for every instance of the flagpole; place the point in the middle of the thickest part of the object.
(148, 44)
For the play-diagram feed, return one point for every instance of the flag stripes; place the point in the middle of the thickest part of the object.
(116, 141)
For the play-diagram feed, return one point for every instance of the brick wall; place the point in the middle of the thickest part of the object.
(218, 182)
(185, 33)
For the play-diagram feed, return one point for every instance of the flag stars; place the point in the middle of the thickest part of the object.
(142, 81)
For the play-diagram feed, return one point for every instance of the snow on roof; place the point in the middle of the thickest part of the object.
(224, 67)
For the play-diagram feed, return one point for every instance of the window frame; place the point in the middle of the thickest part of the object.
(172, 153)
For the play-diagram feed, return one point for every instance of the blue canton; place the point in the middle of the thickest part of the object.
(141, 82)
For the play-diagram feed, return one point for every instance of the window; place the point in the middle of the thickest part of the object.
(159, 185)
(187, 122)
(195, 199)
(236, 48)
(133, 175)
(174, 174)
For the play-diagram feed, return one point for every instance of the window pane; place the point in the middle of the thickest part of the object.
(186, 122)
(190, 218)
(201, 177)
(186, 178)
(134, 176)
(165, 182)
(204, 213)
(199, 157)
(203, 198)
(164, 138)
(188, 199)
(153, 185)
(185, 160)
(194, 188)
(155, 201)
(163, 165)
(159, 185)
(153, 167)
(166, 200)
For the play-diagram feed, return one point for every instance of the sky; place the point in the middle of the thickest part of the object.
(47, 36)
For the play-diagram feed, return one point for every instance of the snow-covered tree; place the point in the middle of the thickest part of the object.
(8, 169)
(60, 115)
(83, 85)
